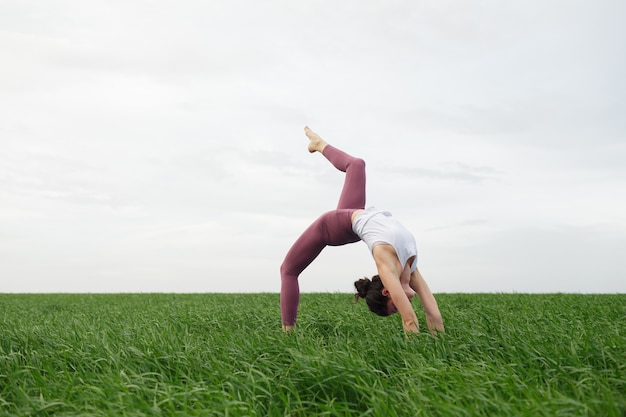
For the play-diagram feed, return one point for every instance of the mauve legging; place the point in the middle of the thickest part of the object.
(333, 228)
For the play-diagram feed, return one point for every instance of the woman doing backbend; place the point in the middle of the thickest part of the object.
(392, 246)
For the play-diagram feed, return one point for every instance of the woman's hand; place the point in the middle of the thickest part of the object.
(435, 324)
(410, 326)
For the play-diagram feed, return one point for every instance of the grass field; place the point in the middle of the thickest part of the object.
(225, 355)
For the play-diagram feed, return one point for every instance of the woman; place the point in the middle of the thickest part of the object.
(392, 246)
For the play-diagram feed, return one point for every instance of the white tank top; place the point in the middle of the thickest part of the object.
(375, 226)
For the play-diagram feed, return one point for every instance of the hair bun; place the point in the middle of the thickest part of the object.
(362, 286)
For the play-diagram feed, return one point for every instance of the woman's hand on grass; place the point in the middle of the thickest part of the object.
(410, 326)
(435, 324)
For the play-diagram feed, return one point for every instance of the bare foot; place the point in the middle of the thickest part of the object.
(316, 143)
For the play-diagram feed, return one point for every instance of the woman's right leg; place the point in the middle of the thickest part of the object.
(353, 192)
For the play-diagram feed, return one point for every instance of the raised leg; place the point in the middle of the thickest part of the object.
(353, 192)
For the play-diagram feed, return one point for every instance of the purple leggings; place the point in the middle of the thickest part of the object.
(333, 228)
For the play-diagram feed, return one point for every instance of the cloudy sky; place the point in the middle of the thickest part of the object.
(157, 146)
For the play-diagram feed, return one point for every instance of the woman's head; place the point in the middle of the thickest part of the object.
(372, 291)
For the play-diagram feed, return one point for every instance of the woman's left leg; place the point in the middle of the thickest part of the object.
(301, 254)
(333, 228)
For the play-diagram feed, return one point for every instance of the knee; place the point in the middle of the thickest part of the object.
(358, 163)
(285, 271)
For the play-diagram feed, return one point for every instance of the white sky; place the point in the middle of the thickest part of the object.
(150, 146)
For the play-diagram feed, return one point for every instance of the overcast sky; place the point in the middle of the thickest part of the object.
(157, 146)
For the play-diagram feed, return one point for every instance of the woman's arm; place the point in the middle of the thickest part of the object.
(389, 271)
(433, 315)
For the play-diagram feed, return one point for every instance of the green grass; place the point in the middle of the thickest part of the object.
(224, 354)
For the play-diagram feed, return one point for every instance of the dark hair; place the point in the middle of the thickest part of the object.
(371, 291)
